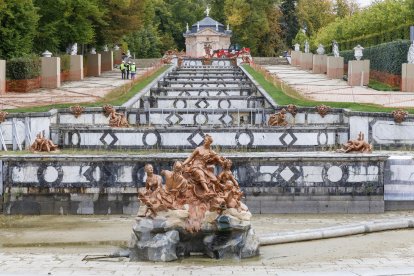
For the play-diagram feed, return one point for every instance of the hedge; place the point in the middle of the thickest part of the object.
(64, 63)
(23, 68)
(386, 57)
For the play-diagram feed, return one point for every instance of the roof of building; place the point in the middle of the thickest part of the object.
(208, 22)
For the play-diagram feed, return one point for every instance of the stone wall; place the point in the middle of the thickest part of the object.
(272, 182)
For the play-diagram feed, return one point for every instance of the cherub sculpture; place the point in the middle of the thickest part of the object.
(43, 144)
(278, 119)
(358, 145)
(116, 119)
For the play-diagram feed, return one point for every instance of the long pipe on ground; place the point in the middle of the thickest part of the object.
(335, 231)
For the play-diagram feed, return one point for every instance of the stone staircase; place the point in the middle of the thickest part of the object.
(193, 100)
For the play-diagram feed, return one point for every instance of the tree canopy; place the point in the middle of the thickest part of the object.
(150, 27)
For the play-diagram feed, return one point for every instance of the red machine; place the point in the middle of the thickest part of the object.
(227, 53)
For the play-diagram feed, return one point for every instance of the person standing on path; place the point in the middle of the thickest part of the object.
(128, 68)
(133, 69)
(123, 68)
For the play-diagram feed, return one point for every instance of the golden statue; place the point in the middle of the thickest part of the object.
(43, 144)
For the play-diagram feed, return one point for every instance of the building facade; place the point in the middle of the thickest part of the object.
(206, 36)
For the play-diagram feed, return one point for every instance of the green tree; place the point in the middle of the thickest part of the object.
(345, 8)
(145, 43)
(290, 24)
(18, 24)
(121, 17)
(64, 22)
(314, 14)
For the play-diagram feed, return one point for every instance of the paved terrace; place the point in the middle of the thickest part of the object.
(90, 89)
(319, 87)
(56, 245)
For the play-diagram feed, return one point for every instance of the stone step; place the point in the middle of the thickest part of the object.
(202, 74)
(232, 83)
(204, 102)
(236, 137)
(206, 78)
(205, 92)
(209, 70)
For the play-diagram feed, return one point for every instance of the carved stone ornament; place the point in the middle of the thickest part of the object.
(116, 119)
(335, 48)
(74, 49)
(307, 50)
(410, 55)
(320, 50)
(77, 110)
(3, 115)
(323, 110)
(278, 119)
(292, 109)
(358, 52)
(297, 47)
(42, 144)
(399, 115)
(358, 145)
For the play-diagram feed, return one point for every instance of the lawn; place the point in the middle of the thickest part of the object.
(287, 96)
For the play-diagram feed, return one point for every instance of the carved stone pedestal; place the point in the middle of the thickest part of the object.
(295, 56)
(319, 64)
(358, 72)
(107, 61)
(2, 76)
(76, 68)
(306, 61)
(94, 65)
(335, 67)
(407, 77)
(50, 72)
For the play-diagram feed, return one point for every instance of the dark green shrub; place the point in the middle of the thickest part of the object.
(23, 68)
(386, 57)
(64, 63)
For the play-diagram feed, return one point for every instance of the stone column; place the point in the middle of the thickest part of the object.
(358, 72)
(319, 64)
(94, 65)
(107, 59)
(2, 77)
(295, 56)
(335, 67)
(306, 61)
(117, 57)
(50, 77)
(76, 68)
(407, 77)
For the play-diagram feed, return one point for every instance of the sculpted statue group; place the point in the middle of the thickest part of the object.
(42, 144)
(193, 183)
(358, 145)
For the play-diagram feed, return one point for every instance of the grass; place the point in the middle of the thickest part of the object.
(284, 95)
(380, 86)
(116, 97)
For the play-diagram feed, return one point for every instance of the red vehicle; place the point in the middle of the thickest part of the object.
(231, 52)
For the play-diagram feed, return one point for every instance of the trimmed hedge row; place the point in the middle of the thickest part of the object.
(23, 68)
(399, 33)
(386, 57)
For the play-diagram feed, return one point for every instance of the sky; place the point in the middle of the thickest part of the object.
(364, 3)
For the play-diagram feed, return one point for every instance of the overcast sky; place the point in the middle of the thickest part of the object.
(364, 3)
